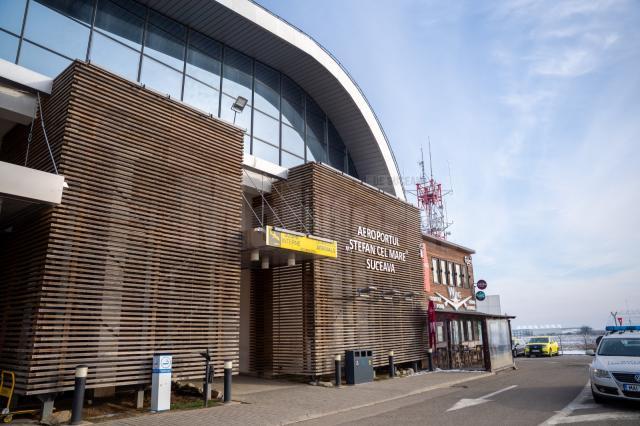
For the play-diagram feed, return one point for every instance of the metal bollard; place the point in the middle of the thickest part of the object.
(208, 372)
(228, 369)
(338, 377)
(392, 368)
(78, 394)
(430, 357)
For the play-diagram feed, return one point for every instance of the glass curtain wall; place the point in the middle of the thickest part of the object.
(283, 124)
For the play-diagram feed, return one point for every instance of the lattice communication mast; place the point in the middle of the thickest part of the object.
(431, 202)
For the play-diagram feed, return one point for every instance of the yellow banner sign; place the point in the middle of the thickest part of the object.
(302, 243)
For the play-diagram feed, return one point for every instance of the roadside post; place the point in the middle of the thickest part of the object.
(228, 369)
(208, 375)
(392, 369)
(338, 372)
(78, 394)
(430, 358)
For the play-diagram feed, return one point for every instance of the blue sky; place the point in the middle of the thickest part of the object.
(535, 107)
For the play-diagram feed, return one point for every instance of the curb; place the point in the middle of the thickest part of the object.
(393, 398)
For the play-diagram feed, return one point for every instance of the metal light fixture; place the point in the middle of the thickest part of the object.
(365, 292)
(388, 294)
(408, 296)
(238, 106)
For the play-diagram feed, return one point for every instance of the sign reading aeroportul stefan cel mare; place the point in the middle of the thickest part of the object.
(389, 250)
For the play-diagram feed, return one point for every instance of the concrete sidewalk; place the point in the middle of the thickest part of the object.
(278, 403)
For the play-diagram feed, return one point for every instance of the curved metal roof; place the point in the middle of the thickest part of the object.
(257, 32)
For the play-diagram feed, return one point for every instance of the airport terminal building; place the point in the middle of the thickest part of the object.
(183, 176)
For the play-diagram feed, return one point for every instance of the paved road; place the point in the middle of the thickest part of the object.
(541, 392)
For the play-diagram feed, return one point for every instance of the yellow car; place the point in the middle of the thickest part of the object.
(541, 345)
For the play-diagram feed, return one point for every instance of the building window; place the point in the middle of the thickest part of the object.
(267, 90)
(11, 15)
(337, 151)
(42, 61)
(439, 332)
(450, 273)
(435, 270)
(8, 46)
(316, 138)
(165, 40)
(458, 276)
(71, 35)
(201, 95)
(204, 60)
(443, 272)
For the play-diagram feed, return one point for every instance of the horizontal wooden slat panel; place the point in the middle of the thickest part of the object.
(143, 254)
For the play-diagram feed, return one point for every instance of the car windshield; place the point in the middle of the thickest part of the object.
(539, 340)
(620, 347)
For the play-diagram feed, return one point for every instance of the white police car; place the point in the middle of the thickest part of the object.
(615, 371)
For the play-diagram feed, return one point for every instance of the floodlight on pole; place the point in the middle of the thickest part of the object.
(238, 106)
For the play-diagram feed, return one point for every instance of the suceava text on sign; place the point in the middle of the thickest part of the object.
(378, 250)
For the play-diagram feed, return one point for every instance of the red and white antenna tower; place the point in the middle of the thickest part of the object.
(431, 202)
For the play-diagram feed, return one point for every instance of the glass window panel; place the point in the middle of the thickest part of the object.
(267, 93)
(292, 140)
(315, 121)
(458, 276)
(41, 60)
(237, 74)
(8, 47)
(442, 270)
(204, 58)
(165, 40)
(316, 151)
(161, 78)
(11, 14)
(289, 160)
(243, 119)
(450, 273)
(57, 32)
(81, 10)
(434, 269)
(201, 96)
(115, 56)
(337, 150)
(463, 276)
(122, 20)
(292, 104)
(265, 151)
(266, 128)
(352, 167)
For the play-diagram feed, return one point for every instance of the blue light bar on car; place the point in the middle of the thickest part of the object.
(623, 328)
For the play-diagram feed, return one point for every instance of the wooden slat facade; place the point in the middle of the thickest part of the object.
(143, 254)
(308, 313)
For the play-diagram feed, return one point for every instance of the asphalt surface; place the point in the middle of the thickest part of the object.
(541, 391)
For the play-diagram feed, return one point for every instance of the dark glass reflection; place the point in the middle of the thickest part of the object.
(11, 15)
(81, 10)
(267, 92)
(165, 40)
(292, 104)
(204, 57)
(337, 151)
(237, 74)
(122, 20)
